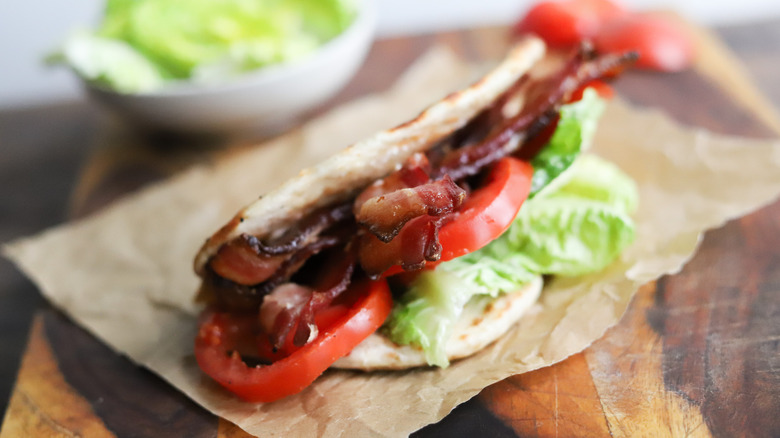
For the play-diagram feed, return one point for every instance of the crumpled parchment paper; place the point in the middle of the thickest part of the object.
(126, 273)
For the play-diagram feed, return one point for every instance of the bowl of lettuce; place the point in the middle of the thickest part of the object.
(219, 65)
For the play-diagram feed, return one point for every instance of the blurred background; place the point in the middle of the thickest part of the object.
(30, 30)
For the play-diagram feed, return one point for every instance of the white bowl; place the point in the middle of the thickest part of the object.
(264, 99)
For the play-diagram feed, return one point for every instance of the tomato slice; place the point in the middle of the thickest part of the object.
(220, 342)
(489, 210)
(565, 23)
(662, 44)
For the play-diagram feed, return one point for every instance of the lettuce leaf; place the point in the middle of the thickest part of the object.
(205, 39)
(573, 135)
(111, 63)
(425, 314)
(578, 225)
(599, 180)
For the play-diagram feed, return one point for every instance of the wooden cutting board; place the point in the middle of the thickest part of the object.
(697, 354)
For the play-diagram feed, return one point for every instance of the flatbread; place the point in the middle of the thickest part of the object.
(339, 177)
(483, 321)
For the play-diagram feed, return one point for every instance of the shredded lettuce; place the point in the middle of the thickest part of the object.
(577, 225)
(201, 39)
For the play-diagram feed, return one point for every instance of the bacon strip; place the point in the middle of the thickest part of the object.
(227, 295)
(415, 171)
(417, 243)
(293, 307)
(337, 278)
(281, 308)
(241, 263)
(478, 127)
(248, 261)
(384, 215)
(543, 98)
(303, 232)
(234, 296)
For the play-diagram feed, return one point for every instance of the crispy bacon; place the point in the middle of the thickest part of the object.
(233, 296)
(247, 260)
(281, 308)
(541, 104)
(298, 258)
(293, 307)
(332, 282)
(303, 232)
(241, 263)
(384, 215)
(481, 125)
(417, 243)
(227, 295)
(413, 173)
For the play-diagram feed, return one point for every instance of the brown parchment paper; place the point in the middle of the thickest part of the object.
(126, 273)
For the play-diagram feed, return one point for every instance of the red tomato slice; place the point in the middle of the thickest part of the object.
(565, 24)
(604, 9)
(218, 339)
(662, 45)
(489, 210)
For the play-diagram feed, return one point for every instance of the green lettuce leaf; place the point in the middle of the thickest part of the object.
(425, 314)
(580, 225)
(573, 135)
(209, 39)
(111, 63)
(599, 180)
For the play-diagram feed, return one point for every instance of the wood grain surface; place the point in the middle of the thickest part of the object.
(697, 354)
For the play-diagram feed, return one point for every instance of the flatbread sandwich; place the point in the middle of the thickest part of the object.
(424, 243)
